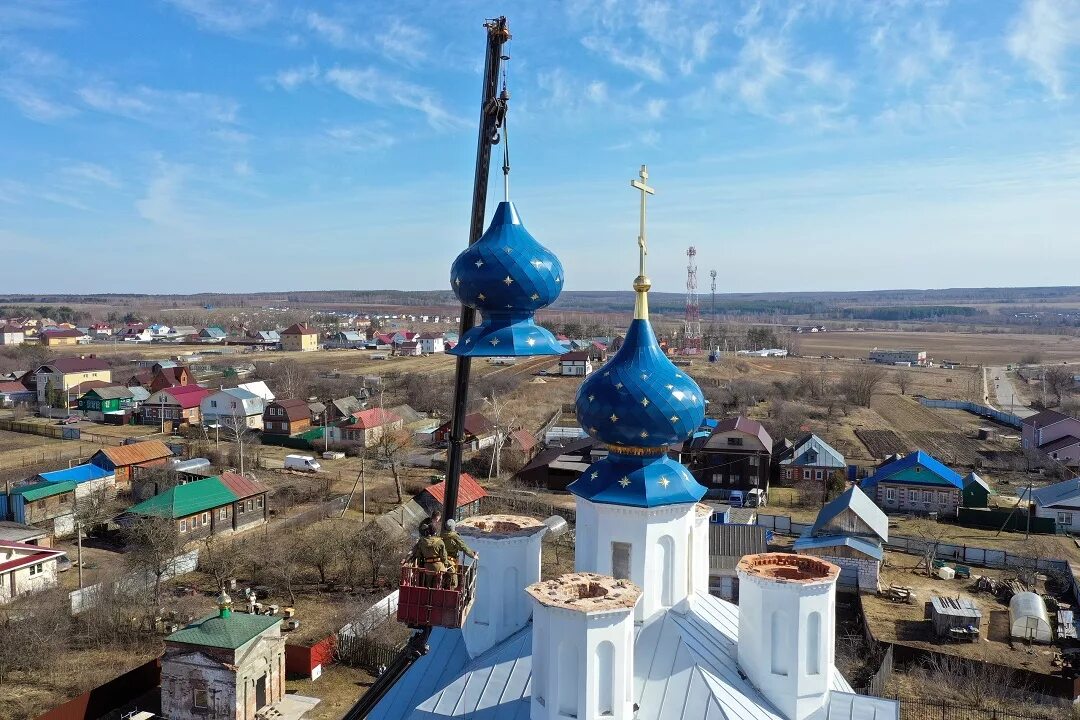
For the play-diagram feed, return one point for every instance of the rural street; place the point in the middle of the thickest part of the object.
(1005, 392)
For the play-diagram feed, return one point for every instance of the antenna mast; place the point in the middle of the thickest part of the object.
(691, 344)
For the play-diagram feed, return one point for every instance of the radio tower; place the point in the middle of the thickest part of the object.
(691, 344)
(712, 274)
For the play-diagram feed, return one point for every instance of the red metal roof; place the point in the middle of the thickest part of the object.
(243, 486)
(76, 364)
(524, 439)
(372, 418)
(294, 409)
(299, 329)
(13, 387)
(468, 490)
(187, 396)
(136, 453)
(37, 554)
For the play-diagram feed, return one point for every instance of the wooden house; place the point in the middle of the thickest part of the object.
(286, 417)
(122, 459)
(470, 493)
(735, 455)
(176, 405)
(479, 432)
(215, 505)
(849, 531)
(916, 483)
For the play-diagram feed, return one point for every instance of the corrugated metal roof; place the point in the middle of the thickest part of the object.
(468, 490)
(1057, 493)
(242, 486)
(814, 451)
(685, 668)
(231, 632)
(77, 474)
(183, 500)
(124, 455)
(111, 392)
(920, 459)
(74, 365)
(863, 545)
(36, 491)
(859, 503)
(728, 543)
(745, 425)
(373, 418)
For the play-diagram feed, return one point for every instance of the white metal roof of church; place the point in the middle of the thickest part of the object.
(685, 667)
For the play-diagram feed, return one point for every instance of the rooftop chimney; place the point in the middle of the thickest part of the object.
(509, 547)
(787, 629)
(583, 648)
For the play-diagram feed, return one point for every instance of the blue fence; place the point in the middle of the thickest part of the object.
(981, 410)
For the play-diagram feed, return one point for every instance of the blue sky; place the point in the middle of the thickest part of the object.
(242, 145)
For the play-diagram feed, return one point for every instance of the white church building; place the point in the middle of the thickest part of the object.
(633, 633)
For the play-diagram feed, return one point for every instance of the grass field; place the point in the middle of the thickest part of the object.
(967, 348)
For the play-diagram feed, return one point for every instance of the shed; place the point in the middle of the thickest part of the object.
(1028, 619)
(947, 613)
(976, 492)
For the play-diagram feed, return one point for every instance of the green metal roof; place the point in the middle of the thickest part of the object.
(188, 499)
(231, 632)
(315, 433)
(43, 490)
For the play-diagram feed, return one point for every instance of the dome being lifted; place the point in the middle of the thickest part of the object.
(507, 275)
(638, 404)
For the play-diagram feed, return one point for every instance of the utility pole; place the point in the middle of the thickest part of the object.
(78, 540)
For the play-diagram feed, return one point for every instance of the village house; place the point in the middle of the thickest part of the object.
(1055, 434)
(916, 483)
(522, 446)
(11, 335)
(51, 338)
(55, 378)
(226, 666)
(14, 393)
(212, 335)
(810, 458)
(409, 348)
(344, 407)
(299, 337)
(176, 405)
(735, 455)
(43, 504)
(232, 408)
(369, 425)
(479, 432)
(123, 459)
(575, 364)
(26, 534)
(167, 376)
(259, 388)
(97, 403)
(1061, 503)
(470, 493)
(100, 330)
(557, 466)
(26, 569)
(350, 339)
(286, 417)
(136, 333)
(431, 342)
(850, 531)
(216, 505)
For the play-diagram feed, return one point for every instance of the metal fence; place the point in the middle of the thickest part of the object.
(976, 409)
(929, 710)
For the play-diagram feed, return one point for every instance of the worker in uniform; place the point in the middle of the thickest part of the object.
(455, 546)
(429, 552)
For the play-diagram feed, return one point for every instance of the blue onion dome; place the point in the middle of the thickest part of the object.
(639, 398)
(637, 481)
(507, 275)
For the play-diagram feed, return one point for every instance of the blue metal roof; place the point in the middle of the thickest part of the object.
(77, 474)
(508, 276)
(639, 398)
(866, 547)
(911, 460)
(815, 452)
(637, 481)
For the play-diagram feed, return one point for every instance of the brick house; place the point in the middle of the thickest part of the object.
(225, 666)
(167, 377)
(735, 455)
(300, 337)
(60, 337)
(286, 417)
(1055, 434)
(915, 483)
(215, 505)
(849, 531)
(61, 374)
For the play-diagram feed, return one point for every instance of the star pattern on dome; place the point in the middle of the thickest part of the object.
(644, 434)
(494, 341)
(457, 281)
(481, 297)
(534, 296)
(618, 386)
(644, 402)
(591, 398)
(594, 475)
(508, 281)
(530, 342)
(536, 263)
(664, 482)
(508, 249)
(674, 419)
(479, 263)
(625, 481)
(614, 417)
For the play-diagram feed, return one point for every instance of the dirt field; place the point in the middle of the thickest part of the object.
(905, 623)
(967, 348)
(25, 450)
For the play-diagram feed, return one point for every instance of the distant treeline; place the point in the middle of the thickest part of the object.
(906, 312)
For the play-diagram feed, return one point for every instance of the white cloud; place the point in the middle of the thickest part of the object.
(92, 173)
(161, 203)
(32, 103)
(360, 138)
(332, 30)
(242, 168)
(403, 42)
(36, 15)
(1043, 36)
(231, 136)
(641, 64)
(372, 85)
(227, 16)
(159, 106)
(291, 78)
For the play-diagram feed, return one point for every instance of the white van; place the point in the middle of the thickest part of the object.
(757, 498)
(303, 463)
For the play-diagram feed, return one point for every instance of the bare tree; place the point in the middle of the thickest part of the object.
(497, 407)
(236, 429)
(858, 384)
(154, 542)
(34, 632)
(902, 378)
(391, 448)
(383, 550)
(1057, 380)
(220, 558)
(320, 548)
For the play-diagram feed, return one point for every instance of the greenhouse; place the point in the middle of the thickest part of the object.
(1028, 619)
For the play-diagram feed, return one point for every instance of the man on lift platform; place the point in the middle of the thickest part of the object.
(455, 546)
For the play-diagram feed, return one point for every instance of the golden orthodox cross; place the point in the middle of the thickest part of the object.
(641, 185)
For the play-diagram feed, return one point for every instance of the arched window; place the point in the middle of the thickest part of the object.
(509, 613)
(778, 627)
(665, 558)
(605, 678)
(690, 553)
(813, 644)
(568, 680)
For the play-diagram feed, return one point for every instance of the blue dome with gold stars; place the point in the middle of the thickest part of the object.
(638, 404)
(507, 275)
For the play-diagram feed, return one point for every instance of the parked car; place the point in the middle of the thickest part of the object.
(302, 463)
(737, 499)
(69, 420)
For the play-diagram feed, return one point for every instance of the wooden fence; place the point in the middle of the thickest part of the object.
(507, 503)
(365, 652)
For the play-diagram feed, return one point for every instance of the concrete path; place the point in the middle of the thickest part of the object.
(1008, 400)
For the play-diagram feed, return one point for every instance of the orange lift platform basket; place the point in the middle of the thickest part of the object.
(426, 599)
